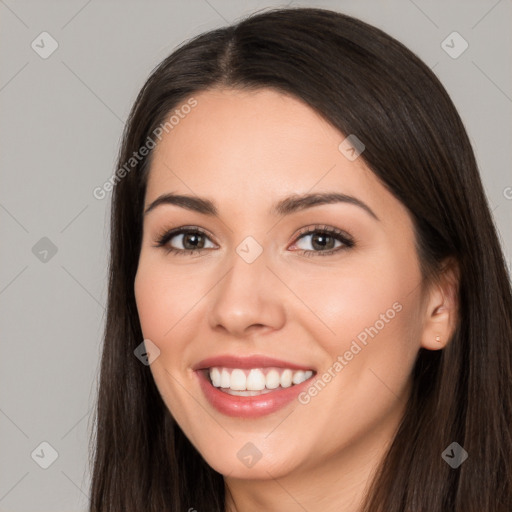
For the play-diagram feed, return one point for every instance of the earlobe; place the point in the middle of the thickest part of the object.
(438, 330)
(441, 312)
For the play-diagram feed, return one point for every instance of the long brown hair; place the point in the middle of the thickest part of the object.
(363, 82)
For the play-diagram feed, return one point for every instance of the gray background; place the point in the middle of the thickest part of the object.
(61, 123)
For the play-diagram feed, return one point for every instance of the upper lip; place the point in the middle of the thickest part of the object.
(254, 361)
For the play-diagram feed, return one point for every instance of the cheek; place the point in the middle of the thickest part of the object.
(161, 300)
(363, 299)
(152, 302)
(370, 344)
(165, 305)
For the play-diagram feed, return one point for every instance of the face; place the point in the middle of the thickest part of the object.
(321, 299)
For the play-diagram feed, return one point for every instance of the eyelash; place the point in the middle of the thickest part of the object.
(335, 233)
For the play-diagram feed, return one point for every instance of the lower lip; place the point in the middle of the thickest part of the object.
(249, 406)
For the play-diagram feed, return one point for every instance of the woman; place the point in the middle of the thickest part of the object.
(304, 263)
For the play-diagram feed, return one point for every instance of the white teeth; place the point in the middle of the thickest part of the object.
(273, 380)
(238, 380)
(286, 379)
(246, 393)
(298, 377)
(215, 376)
(255, 381)
(224, 378)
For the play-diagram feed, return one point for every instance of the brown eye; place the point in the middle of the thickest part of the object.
(324, 241)
(321, 241)
(191, 241)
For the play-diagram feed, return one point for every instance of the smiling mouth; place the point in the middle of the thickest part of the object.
(254, 381)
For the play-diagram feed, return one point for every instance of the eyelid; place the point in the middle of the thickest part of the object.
(325, 228)
(171, 232)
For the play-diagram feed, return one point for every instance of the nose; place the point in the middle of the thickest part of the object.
(247, 299)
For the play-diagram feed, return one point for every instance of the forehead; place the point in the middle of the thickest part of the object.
(260, 144)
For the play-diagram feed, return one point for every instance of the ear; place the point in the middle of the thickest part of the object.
(441, 308)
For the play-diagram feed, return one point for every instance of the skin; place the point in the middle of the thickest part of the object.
(245, 150)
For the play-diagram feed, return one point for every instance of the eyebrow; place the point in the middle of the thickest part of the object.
(283, 207)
